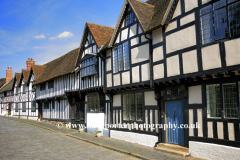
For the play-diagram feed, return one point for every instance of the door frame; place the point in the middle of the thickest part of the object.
(40, 110)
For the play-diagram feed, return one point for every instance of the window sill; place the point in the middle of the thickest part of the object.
(89, 75)
(121, 71)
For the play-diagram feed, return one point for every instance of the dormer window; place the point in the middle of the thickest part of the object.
(88, 67)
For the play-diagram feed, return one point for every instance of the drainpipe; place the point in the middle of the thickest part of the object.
(151, 60)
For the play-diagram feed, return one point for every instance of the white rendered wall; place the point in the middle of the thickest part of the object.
(143, 139)
(213, 151)
(95, 121)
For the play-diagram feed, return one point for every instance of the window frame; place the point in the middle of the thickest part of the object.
(125, 60)
(135, 107)
(33, 105)
(100, 103)
(42, 87)
(213, 19)
(51, 84)
(85, 70)
(223, 112)
(24, 107)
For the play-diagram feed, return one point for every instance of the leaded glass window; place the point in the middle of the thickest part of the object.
(230, 106)
(220, 20)
(132, 107)
(121, 57)
(213, 101)
(23, 107)
(88, 67)
(95, 103)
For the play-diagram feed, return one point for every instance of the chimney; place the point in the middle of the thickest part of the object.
(30, 62)
(9, 74)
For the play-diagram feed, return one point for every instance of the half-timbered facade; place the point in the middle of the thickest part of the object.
(92, 78)
(176, 62)
(56, 84)
(24, 95)
(6, 94)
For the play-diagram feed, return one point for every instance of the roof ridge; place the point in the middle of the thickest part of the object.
(99, 25)
(144, 3)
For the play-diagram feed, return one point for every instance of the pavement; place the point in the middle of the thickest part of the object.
(119, 149)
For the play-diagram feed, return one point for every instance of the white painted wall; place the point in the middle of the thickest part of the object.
(142, 139)
(213, 151)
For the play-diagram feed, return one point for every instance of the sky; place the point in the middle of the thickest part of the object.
(47, 29)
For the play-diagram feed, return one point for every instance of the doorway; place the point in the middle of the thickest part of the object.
(174, 118)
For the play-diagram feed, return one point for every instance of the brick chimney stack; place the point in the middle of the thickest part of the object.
(9, 74)
(30, 62)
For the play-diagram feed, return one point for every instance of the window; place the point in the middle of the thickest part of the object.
(24, 89)
(88, 67)
(230, 106)
(222, 98)
(220, 20)
(130, 18)
(53, 105)
(16, 107)
(95, 103)
(121, 58)
(213, 101)
(16, 90)
(23, 107)
(46, 105)
(42, 87)
(132, 107)
(33, 106)
(51, 84)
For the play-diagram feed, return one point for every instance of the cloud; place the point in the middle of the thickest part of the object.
(64, 34)
(42, 36)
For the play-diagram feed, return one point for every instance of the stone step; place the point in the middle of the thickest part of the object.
(173, 149)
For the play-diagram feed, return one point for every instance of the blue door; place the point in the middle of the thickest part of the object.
(174, 116)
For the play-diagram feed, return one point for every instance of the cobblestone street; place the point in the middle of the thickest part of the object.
(23, 141)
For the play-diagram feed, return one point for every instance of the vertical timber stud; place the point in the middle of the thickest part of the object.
(157, 98)
(150, 59)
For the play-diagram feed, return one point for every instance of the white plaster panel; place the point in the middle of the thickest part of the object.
(171, 26)
(140, 54)
(117, 101)
(173, 66)
(157, 36)
(116, 79)
(200, 122)
(143, 39)
(158, 71)
(108, 64)
(178, 11)
(181, 39)
(187, 19)
(126, 78)
(95, 120)
(150, 98)
(135, 74)
(232, 52)
(157, 54)
(118, 39)
(108, 53)
(205, 1)
(211, 57)
(133, 30)
(191, 133)
(190, 63)
(145, 72)
(195, 94)
(124, 34)
(190, 4)
(210, 129)
(220, 130)
(134, 41)
(109, 80)
(142, 139)
(231, 132)
(213, 151)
